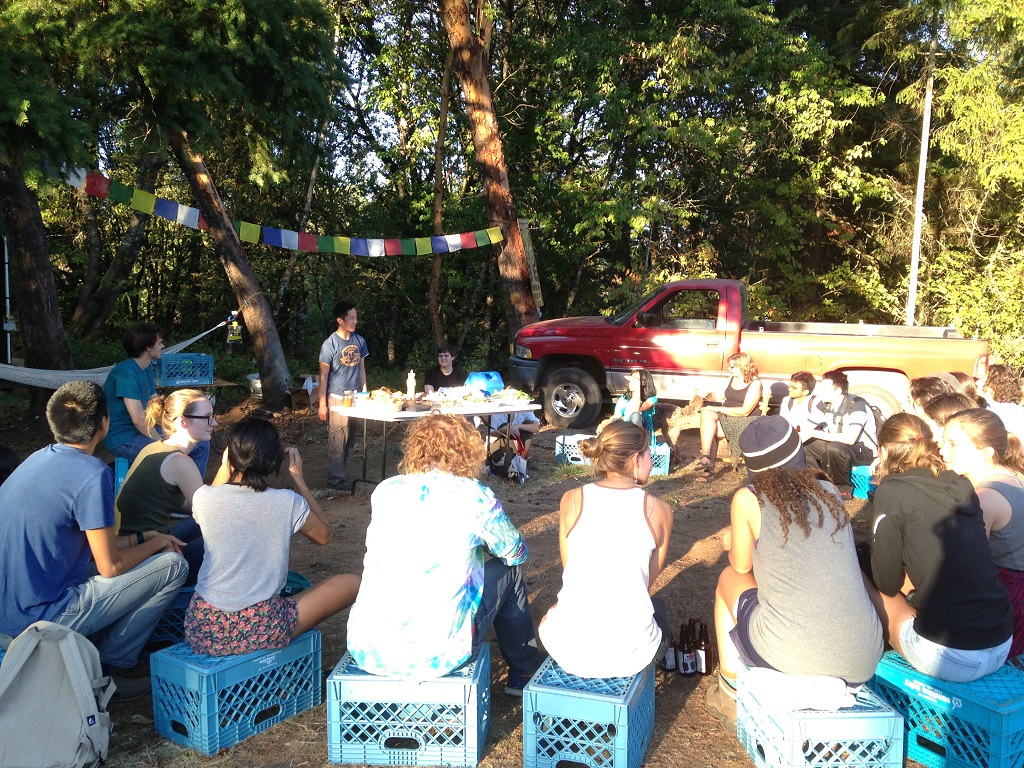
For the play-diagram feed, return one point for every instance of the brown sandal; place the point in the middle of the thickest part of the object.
(706, 476)
(704, 463)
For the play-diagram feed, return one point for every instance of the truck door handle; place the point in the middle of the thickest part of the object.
(712, 344)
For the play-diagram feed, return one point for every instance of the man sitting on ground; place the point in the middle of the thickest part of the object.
(444, 374)
(847, 436)
(60, 559)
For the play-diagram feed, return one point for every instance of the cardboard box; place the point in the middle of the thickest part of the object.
(304, 402)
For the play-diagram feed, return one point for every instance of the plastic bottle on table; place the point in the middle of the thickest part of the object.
(410, 384)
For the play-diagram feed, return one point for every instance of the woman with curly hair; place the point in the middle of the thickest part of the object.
(428, 597)
(977, 445)
(247, 527)
(941, 601)
(613, 537)
(740, 398)
(792, 597)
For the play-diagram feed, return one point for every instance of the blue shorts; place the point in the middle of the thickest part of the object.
(740, 634)
(952, 664)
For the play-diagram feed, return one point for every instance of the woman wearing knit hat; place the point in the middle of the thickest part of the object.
(792, 597)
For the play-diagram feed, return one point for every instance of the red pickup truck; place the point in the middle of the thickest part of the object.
(685, 332)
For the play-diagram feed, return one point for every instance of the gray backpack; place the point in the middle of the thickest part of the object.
(53, 700)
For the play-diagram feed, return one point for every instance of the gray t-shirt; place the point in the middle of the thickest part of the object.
(814, 616)
(247, 537)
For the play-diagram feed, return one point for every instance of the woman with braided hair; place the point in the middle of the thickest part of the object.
(940, 597)
(792, 597)
(247, 526)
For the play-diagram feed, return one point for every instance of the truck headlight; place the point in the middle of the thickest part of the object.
(523, 352)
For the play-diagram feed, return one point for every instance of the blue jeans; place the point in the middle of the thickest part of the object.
(504, 606)
(118, 614)
(132, 447)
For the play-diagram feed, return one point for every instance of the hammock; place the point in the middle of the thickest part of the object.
(40, 377)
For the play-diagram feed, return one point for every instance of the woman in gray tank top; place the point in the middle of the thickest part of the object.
(977, 445)
(792, 597)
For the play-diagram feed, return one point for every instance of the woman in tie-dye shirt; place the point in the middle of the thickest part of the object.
(428, 598)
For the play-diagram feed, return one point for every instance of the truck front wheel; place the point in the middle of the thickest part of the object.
(572, 398)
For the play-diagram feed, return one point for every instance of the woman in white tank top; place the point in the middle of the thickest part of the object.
(613, 537)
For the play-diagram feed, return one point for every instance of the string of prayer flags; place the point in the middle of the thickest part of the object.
(98, 185)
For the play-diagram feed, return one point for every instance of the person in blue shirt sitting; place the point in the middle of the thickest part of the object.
(636, 405)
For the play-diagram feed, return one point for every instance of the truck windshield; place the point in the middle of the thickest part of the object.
(622, 316)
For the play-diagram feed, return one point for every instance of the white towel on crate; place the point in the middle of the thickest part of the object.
(777, 690)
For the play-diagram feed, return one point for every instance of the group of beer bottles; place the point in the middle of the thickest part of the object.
(691, 653)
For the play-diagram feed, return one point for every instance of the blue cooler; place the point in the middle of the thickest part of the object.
(488, 382)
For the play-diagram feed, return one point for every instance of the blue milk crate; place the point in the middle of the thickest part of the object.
(567, 450)
(209, 703)
(957, 725)
(866, 735)
(860, 475)
(660, 455)
(183, 370)
(600, 722)
(378, 720)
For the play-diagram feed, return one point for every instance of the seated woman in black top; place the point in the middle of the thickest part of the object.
(941, 600)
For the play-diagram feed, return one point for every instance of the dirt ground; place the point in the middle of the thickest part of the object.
(684, 734)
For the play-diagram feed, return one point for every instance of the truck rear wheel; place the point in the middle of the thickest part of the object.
(887, 403)
(572, 398)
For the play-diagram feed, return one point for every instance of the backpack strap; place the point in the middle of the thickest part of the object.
(849, 406)
(16, 658)
(92, 694)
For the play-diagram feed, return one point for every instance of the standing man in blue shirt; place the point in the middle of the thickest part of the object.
(342, 367)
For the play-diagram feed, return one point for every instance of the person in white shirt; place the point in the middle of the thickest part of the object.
(800, 407)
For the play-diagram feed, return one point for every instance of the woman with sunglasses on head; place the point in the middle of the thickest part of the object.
(738, 400)
(940, 597)
(613, 536)
(248, 527)
(156, 496)
(637, 403)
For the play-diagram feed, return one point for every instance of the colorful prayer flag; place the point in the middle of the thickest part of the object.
(119, 193)
(325, 244)
(454, 242)
(97, 185)
(494, 234)
(76, 177)
(142, 201)
(249, 233)
(360, 247)
(307, 242)
(408, 246)
(468, 240)
(290, 239)
(393, 247)
(272, 236)
(423, 246)
(375, 247)
(438, 244)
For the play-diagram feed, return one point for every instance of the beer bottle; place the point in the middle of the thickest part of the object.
(670, 655)
(705, 652)
(689, 657)
(679, 649)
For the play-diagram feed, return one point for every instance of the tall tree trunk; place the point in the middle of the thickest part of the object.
(433, 292)
(33, 291)
(471, 60)
(252, 300)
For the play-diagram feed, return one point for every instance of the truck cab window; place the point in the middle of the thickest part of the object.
(689, 310)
